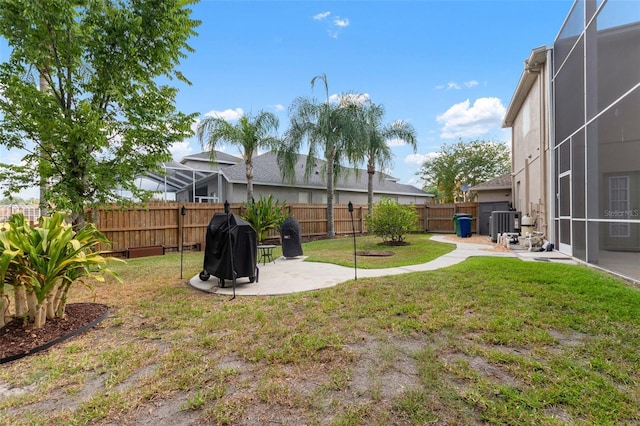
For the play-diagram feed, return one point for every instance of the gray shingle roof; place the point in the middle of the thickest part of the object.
(221, 157)
(500, 182)
(267, 172)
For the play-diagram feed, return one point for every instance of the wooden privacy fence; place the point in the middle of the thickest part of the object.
(439, 217)
(162, 224)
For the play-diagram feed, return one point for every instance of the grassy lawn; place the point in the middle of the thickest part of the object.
(420, 249)
(494, 340)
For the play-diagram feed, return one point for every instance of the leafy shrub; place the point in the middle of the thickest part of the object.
(391, 221)
(264, 214)
(41, 263)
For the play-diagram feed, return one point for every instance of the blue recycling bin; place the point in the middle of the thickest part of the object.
(464, 224)
(457, 223)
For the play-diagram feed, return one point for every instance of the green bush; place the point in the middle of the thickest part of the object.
(264, 214)
(41, 263)
(391, 221)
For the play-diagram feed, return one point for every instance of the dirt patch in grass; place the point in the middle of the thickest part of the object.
(478, 239)
(375, 253)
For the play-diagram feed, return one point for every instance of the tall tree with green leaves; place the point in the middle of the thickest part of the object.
(248, 135)
(462, 163)
(378, 135)
(105, 118)
(330, 129)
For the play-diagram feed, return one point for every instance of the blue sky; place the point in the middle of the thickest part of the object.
(449, 67)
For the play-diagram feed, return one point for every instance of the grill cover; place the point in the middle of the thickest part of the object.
(217, 255)
(290, 238)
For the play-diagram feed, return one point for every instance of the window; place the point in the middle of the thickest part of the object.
(304, 197)
(619, 205)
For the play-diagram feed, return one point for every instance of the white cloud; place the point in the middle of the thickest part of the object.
(179, 150)
(321, 16)
(340, 22)
(335, 26)
(194, 126)
(452, 85)
(415, 181)
(227, 114)
(396, 142)
(419, 159)
(278, 107)
(349, 98)
(466, 120)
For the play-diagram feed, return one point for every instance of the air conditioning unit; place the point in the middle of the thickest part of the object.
(501, 222)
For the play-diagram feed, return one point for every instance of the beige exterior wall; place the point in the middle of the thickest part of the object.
(530, 155)
(494, 195)
(317, 196)
(237, 193)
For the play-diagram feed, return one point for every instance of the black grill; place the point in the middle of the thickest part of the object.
(290, 238)
(231, 250)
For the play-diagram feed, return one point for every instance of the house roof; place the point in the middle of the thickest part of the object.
(267, 172)
(178, 175)
(500, 182)
(532, 66)
(205, 157)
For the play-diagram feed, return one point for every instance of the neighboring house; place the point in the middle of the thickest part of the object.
(31, 213)
(492, 195)
(576, 137)
(496, 190)
(225, 180)
(190, 170)
(202, 161)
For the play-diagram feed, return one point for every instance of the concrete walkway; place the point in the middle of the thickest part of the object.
(294, 275)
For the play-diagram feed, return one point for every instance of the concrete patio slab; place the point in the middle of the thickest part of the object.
(292, 275)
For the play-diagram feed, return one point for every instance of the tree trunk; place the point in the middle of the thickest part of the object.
(20, 297)
(43, 157)
(78, 221)
(40, 316)
(32, 304)
(4, 308)
(331, 232)
(370, 192)
(57, 299)
(60, 311)
(61, 299)
(49, 302)
(249, 173)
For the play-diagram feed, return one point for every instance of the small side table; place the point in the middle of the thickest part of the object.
(265, 253)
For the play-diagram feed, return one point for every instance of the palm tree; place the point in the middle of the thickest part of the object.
(377, 152)
(328, 128)
(249, 135)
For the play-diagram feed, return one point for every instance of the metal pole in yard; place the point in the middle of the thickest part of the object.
(233, 272)
(353, 227)
(183, 212)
